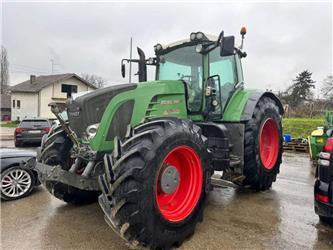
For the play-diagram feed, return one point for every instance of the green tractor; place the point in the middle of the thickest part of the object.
(318, 137)
(148, 150)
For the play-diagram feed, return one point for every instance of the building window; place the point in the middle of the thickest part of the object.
(13, 103)
(69, 89)
(18, 104)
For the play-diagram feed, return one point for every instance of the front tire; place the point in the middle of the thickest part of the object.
(143, 210)
(56, 151)
(263, 145)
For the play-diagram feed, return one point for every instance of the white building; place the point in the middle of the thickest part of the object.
(31, 98)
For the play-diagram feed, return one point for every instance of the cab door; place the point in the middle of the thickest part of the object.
(226, 68)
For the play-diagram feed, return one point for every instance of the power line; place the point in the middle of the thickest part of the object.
(27, 72)
(26, 67)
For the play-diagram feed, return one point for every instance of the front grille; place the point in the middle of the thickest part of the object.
(89, 108)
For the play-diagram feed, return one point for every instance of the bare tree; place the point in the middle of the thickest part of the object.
(327, 87)
(95, 80)
(4, 75)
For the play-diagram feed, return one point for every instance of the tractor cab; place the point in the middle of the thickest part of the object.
(209, 66)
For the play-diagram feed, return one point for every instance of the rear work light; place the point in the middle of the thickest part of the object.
(329, 145)
(322, 198)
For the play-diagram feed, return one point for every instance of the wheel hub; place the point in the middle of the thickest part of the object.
(169, 179)
(179, 183)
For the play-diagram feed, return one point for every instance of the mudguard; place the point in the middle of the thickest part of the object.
(241, 106)
(254, 99)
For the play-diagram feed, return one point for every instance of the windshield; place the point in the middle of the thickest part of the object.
(184, 64)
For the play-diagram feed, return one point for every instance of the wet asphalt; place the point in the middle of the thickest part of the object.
(281, 218)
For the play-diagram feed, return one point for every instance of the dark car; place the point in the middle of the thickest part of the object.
(31, 131)
(323, 190)
(17, 179)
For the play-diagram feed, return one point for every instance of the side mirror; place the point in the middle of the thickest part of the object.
(123, 69)
(227, 46)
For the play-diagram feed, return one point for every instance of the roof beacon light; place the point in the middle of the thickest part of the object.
(243, 33)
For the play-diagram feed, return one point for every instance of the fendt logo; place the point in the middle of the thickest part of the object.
(74, 114)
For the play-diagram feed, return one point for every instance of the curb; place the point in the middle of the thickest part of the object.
(6, 137)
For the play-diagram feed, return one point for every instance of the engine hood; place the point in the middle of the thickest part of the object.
(88, 109)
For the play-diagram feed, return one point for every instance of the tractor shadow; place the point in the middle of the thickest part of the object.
(79, 227)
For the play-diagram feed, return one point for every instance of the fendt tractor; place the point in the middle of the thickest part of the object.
(147, 150)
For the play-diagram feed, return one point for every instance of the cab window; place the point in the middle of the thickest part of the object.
(225, 67)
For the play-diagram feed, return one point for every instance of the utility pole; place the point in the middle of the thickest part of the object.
(130, 67)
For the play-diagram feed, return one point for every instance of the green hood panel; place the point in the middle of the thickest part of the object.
(151, 99)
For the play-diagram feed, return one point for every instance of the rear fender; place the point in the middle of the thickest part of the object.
(242, 104)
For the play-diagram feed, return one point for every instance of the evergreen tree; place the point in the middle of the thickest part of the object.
(300, 90)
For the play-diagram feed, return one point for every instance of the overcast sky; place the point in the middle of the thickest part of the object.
(283, 38)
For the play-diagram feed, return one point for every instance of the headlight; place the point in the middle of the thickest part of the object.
(200, 35)
(92, 130)
(192, 36)
(158, 47)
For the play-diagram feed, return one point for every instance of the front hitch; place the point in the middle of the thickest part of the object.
(55, 174)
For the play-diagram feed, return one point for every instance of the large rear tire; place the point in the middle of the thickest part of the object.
(263, 145)
(56, 151)
(136, 199)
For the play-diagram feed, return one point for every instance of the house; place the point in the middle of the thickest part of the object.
(5, 107)
(31, 98)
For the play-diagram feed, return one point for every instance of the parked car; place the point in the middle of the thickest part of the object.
(323, 190)
(31, 131)
(17, 179)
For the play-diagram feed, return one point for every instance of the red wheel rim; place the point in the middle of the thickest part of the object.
(178, 205)
(269, 143)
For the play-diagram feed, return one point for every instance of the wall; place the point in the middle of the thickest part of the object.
(45, 97)
(53, 93)
(29, 105)
(72, 81)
